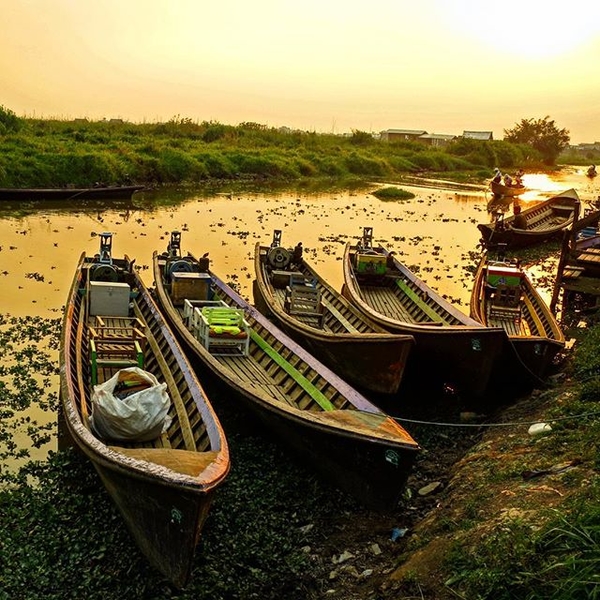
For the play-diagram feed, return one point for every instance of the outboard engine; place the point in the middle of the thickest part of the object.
(174, 246)
(278, 257)
(104, 270)
(179, 266)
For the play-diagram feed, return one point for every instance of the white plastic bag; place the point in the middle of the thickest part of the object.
(139, 416)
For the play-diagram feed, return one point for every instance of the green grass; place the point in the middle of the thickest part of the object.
(393, 193)
(38, 153)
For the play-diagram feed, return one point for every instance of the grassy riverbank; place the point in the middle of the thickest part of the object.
(51, 153)
(515, 516)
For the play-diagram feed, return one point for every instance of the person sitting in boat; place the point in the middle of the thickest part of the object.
(519, 177)
(508, 181)
(591, 171)
(520, 220)
(497, 176)
(297, 254)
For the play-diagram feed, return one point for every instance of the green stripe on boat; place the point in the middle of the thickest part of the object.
(414, 297)
(304, 383)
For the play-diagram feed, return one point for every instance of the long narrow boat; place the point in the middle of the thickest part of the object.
(503, 296)
(163, 487)
(331, 426)
(310, 311)
(508, 191)
(116, 192)
(451, 350)
(544, 221)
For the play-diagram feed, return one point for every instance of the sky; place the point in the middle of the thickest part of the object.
(331, 66)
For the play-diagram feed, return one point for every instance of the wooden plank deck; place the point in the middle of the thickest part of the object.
(386, 303)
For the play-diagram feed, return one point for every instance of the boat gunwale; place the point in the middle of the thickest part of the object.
(359, 402)
(101, 452)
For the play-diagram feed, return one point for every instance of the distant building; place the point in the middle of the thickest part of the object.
(394, 135)
(486, 136)
(437, 140)
(586, 147)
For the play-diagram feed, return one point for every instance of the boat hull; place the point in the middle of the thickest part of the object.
(163, 505)
(361, 450)
(545, 221)
(371, 358)
(533, 341)
(93, 193)
(499, 189)
(458, 357)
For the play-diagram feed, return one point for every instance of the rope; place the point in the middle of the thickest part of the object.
(507, 424)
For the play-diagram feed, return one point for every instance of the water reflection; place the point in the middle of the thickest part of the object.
(435, 232)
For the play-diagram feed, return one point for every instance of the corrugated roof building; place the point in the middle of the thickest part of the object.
(402, 134)
(479, 135)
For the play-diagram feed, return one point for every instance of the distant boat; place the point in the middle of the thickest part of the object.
(308, 309)
(499, 189)
(162, 486)
(332, 428)
(545, 220)
(503, 296)
(451, 349)
(91, 193)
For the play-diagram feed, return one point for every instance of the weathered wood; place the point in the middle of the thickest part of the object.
(359, 350)
(177, 471)
(544, 221)
(536, 337)
(299, 399)
(451, 349)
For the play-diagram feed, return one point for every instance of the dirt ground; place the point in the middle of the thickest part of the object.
(361, 559)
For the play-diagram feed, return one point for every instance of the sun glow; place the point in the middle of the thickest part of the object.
(529, 29)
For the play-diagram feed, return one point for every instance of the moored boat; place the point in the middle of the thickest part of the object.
(451, 350)
(504, 296)
(162, 480)
(539, 223)
(507, 191)
(307, 308)
(332, 427)
(116, 192)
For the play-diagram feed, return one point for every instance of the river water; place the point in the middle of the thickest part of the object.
(436, 233)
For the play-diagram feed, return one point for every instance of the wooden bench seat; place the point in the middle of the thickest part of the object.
(115, 343)
(506, 302)
(304, 300)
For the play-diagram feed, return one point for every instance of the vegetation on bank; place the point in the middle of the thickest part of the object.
(522, 516)
(53, 153)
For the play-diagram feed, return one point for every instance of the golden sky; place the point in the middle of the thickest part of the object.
(321, 65)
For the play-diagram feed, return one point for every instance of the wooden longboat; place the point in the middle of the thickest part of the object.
(451, 350)
(508, 191)
(332, 428)
(163, 487)
(545, 220)
(309, 310)
(116, 192)
(503, 296)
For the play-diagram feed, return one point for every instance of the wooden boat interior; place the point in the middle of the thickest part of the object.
(392, 290)
(304, 295)
(511, 301)
(115, 331)
(268, 363)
